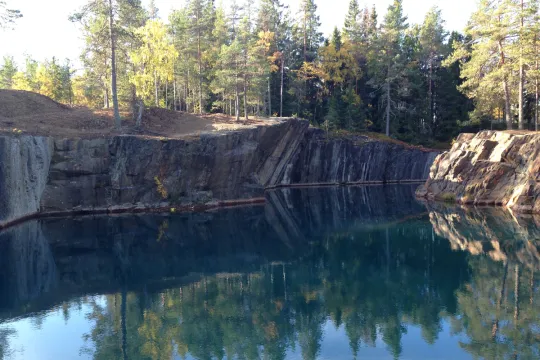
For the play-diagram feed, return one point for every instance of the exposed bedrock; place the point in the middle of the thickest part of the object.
(489, 168)
(131, 173)
(356, 159)
(24, 169)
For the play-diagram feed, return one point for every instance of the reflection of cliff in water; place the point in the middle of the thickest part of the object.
(498, 308)
(491, 231)
(256, 282)
(83, 255)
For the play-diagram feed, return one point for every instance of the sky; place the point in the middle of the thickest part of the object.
(45, 31)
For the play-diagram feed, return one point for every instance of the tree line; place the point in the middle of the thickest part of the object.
(419, 83)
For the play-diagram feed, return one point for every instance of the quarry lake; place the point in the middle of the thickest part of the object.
(315, 273)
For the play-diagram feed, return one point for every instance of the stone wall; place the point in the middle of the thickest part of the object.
(130, 173)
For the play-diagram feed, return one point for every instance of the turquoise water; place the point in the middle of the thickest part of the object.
(332, 273)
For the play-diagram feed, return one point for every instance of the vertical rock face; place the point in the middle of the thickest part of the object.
(356, 159)
(132, 171)
(129, 172)
(24, 169)
(489, 168)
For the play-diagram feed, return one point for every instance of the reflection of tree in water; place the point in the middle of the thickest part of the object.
(498, 310)
(5, 349)
(370, 282)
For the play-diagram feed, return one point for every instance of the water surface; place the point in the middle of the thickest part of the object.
(332, 273)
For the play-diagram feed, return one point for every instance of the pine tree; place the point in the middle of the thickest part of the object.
(432, 42)
(109, 31)
(486, 64)
(351, 29)
(389, 47)
(272, 22)
(200, 14)
(8, 69)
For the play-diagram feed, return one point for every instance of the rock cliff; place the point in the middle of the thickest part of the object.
(356, 159)
(133, 173)
(489, 168)
(24, 168)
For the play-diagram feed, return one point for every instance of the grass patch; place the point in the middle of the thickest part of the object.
(448, 198)
(336, 134)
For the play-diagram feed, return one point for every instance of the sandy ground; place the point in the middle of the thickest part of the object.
(25, 112)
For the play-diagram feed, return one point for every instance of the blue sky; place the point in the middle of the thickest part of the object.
(45, 31)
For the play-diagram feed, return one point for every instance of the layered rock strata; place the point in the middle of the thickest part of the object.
(489, 168)
(44, 175)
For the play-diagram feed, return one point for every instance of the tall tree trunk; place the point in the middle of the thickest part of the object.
(536, 103)
(245, 98)
(166, 94)
(106, 98)
(305, 35)
(134, 102)
(521, 73)
(536, 84)
(521, 90)
(140, 110)
(269, 97)
(431, 100)
(281, 86)
(174, 95)
(199, 55)
(388, 98)
(507, 108)
(156, 90)
(495, 327)
(117, 119)
(237, 101)
(505, 87)
(187, 91)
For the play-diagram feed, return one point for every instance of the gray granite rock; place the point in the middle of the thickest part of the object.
(131, 172)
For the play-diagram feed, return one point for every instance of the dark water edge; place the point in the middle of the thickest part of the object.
(314, 273)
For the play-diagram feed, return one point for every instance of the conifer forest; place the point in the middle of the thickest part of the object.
(377, 73)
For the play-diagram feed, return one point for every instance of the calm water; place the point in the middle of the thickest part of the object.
(336, 273)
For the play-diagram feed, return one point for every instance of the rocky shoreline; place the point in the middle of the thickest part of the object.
(492, 168)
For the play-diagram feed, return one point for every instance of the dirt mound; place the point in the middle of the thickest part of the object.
(31, 113)
(16, 103)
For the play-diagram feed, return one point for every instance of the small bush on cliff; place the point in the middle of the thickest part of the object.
(161, 189)
(448, 197)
